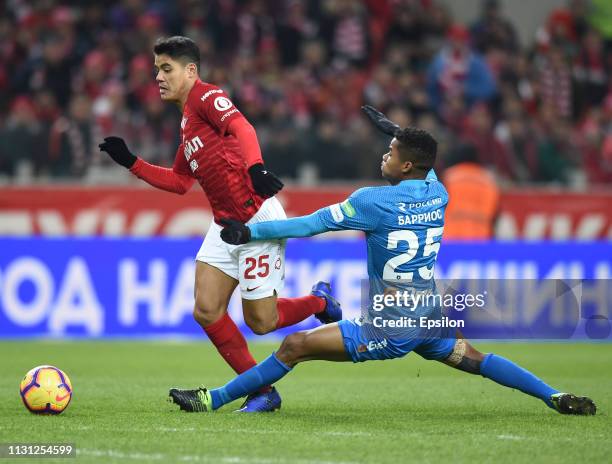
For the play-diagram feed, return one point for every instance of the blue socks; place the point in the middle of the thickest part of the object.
(271, 370)
(267, 372)
(505, 372)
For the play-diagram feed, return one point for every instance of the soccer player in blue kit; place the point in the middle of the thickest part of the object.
(403, 224)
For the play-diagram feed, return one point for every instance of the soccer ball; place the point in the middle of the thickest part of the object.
(46, 390)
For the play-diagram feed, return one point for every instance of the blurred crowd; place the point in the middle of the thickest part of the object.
(541, 112)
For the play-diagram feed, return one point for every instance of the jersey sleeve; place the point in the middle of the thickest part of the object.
(178, 179)
(357, 212)
(303, 226)
(214, 106)
(180, 165)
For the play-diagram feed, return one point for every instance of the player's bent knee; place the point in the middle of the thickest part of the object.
(260, 326)
(291, 350)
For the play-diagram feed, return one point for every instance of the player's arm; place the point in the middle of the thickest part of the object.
(265, 182)
(356, 213)
(175, 179)
(215, 107)
(237, 233)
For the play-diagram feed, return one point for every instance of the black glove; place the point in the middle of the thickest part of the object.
(380, 120)
(265, 182)
(235, 232)
(118, 151)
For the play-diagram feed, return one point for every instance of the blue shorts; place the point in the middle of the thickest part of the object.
(364, 345)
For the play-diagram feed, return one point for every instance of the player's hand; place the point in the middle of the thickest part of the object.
(380, 120)
(265, 182)
(235, 232)
(118, 151)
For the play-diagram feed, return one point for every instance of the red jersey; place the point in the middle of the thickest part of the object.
(213, 157)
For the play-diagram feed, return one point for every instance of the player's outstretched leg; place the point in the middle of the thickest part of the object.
(503, 371)
(324, 343)
(213, 291)
(263, 315)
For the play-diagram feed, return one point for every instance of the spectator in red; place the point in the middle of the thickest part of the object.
(346, 29)
(555, 82)
(94, 74)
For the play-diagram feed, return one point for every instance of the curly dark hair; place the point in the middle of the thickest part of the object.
(417, 146)
(180, 48)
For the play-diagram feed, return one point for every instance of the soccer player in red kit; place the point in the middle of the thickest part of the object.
(219, 149)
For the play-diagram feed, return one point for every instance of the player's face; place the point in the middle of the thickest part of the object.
(392, 167)
(173, 78)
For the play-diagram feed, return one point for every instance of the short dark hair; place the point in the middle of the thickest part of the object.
(178, 48)
(417, 146)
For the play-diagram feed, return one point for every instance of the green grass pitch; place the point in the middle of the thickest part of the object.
(406, 410)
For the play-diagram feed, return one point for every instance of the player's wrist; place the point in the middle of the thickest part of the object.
(258, 166)
(136, 165)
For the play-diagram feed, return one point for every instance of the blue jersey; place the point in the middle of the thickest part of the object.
(403, 224)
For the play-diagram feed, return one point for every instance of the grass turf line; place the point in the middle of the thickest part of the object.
(393, 411)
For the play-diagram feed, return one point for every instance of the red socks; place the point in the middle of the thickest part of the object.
(294, 310)
(231, 344)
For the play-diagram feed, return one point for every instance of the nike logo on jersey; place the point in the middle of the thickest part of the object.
(254, 288)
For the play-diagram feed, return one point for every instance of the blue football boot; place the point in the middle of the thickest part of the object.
(261, 402)
(332, 311)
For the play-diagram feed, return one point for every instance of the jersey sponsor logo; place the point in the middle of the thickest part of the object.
(223, 103)
(209, 93)
(373, 346)
(192, 146)
(249, 289)
(348, 208)
(336, 212)
(422, 204)
(229, 113)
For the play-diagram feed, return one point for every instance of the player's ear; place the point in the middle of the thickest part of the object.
(407, 167)
(192, 70)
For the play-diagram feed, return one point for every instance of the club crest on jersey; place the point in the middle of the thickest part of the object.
(222, 103)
